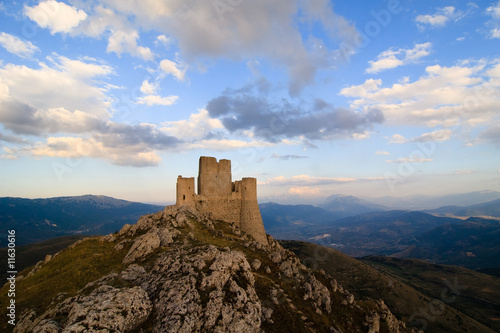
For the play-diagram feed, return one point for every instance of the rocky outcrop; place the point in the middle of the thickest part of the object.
(182, 272)
(204, 289)
(105, 309)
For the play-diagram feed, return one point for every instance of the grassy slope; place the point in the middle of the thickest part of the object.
(90, 259)
(66, 273)
(471, 292)
(29, 255)
(402, 298)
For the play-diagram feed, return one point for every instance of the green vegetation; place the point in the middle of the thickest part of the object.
(405, 287)
(67, 273)
(29, 255)
(407, 296)
(473, 293)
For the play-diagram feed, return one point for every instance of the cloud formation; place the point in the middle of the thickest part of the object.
(17, 46)
(59, 97)
(398, 57)
(172, 68)
(205, 30)
(69, 113)
(439, 18)
(151, 100)
(494, 23)
(288, 157)
(270, 121)
(466, 94)
(55, 16)
(306, 180)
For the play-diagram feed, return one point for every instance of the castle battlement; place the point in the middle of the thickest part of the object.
(222, 198)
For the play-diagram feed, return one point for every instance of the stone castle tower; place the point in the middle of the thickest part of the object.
(222, 198)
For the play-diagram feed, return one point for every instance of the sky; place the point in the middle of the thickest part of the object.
(313, 98)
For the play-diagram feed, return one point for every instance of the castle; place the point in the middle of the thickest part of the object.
(221, 198)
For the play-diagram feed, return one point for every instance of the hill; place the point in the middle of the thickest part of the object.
(177, 271)
(288, 221)
(489, 209)
(421, 202)
(404, 234)
(348, 205)
(410, 295)
(375, 233)
(473, 243)
(28, 255)
(472, 293)
(40, 219)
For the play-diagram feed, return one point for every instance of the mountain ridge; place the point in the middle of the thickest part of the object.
(45, 218)
(180, 271)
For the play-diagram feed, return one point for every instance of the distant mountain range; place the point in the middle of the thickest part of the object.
(39, 219)
(354, 226)
(438, 237)
(375, 233)
(491, 208)
(411, 202)
(423, 202)
(348, 205)
(473, 243)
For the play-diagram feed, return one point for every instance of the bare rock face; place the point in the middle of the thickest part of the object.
(142, 246)
(109, 308)
(105, 309)
(194, 296)
(184, 273)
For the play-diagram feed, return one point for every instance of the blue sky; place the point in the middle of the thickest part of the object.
(365, 98)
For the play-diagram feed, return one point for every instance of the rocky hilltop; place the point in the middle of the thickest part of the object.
(179, 271)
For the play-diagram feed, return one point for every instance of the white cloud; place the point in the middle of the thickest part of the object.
(494, 11)
(81, 69)
(466, 93)
(59, 17)
(305, 191)
(495, 33)
(148, 88)
(162, 39)
(306, 180)
(395, 58)
(494, 23)
(122, 41)
(150, 100)
(440, 18)
(204, 30)
(224, 144)
(397, 138)
(363, 89)
(378, 152)
(68, 85)
(439, 135)
(170, 67)
(56, 16)
(9, 154)
(197, 126)
(247, 30)
(76, 147)
(17, 46)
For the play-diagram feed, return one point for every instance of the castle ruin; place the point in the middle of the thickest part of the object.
(221, 198)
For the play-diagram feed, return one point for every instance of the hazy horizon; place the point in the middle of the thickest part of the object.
(375, 99)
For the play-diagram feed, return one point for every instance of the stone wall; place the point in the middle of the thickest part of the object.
(185, 192)
(214, 178)
(222, 199)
